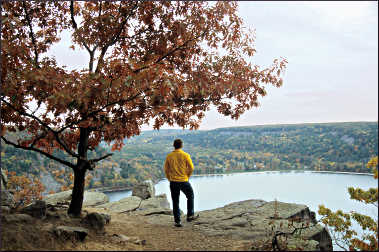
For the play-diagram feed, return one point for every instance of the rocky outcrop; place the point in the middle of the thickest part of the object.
(64, 198)
(255, 219)
(6, 197)
(144, 190)
(4, 180)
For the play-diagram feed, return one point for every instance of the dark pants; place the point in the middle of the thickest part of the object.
(186, 188)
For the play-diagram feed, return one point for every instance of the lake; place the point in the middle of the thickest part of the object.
(302, 187)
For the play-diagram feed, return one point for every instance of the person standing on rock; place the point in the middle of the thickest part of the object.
(178, 168)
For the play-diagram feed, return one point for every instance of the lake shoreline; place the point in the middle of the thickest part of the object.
(129, 188)
(284, 171)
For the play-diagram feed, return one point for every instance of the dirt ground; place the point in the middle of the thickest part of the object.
(144, 236)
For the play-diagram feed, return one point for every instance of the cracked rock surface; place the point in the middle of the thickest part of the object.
(254, 219)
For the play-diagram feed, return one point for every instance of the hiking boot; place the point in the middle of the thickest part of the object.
(178, 224)
(192, 218)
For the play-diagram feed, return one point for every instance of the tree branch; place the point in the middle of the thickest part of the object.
(101, 109)
(75, 26)
(56, 134)
(31, 34)
(168, 53)
(115, 38)
(39, 151)
(100, 158)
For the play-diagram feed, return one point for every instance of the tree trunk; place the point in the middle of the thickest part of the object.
(76, 203)
(77, 192)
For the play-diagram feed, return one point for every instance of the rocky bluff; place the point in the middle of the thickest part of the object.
(248, 220)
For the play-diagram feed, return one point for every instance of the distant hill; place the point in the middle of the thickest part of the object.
(315, 146)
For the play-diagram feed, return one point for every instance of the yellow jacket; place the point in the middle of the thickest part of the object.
(178, 166)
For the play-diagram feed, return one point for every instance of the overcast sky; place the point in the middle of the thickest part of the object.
(332, 53)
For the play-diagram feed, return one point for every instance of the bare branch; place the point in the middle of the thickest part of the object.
(100, 158)
(39, 151)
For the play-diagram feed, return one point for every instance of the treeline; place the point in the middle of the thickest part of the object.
(327, 147)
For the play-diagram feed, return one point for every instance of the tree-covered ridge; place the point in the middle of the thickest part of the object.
(327, 146)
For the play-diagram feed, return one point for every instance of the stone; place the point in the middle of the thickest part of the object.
(70, 233)
(63, 198)
(94, 199)
(127, 204)
(17, 218)
(159, 201)
(144, 190)
(7, 199)
(4, 180)
(132, 239)
(97, 220)
(36, 209)
(89, 198)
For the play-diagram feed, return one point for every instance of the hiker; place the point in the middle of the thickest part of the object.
(178, 168)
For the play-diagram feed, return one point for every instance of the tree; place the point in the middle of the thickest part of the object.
(162, 61)
(25, 189)
(340, 223)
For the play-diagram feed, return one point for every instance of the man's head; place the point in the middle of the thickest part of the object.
(178, 143)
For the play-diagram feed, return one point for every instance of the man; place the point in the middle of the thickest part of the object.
(178, 168)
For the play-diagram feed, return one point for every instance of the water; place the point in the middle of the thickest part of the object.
(311, 189)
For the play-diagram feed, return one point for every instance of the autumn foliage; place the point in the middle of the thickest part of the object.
(25, 189)
(160, 61)
(340, 223)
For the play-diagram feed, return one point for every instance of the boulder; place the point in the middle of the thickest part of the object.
(124, 205)
(7, 199)
(70, 233)
(36, 209)
(159, 201)
(89, 199)
(144, 190)
(97, 220)
(17, 218)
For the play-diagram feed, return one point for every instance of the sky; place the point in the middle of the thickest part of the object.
(332, 54)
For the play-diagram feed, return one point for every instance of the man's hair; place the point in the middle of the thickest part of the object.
(178, 143)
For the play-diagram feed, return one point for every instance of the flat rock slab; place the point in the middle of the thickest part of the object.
(89, 198)
(124, 205)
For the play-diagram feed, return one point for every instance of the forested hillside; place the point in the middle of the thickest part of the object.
(327, 146)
